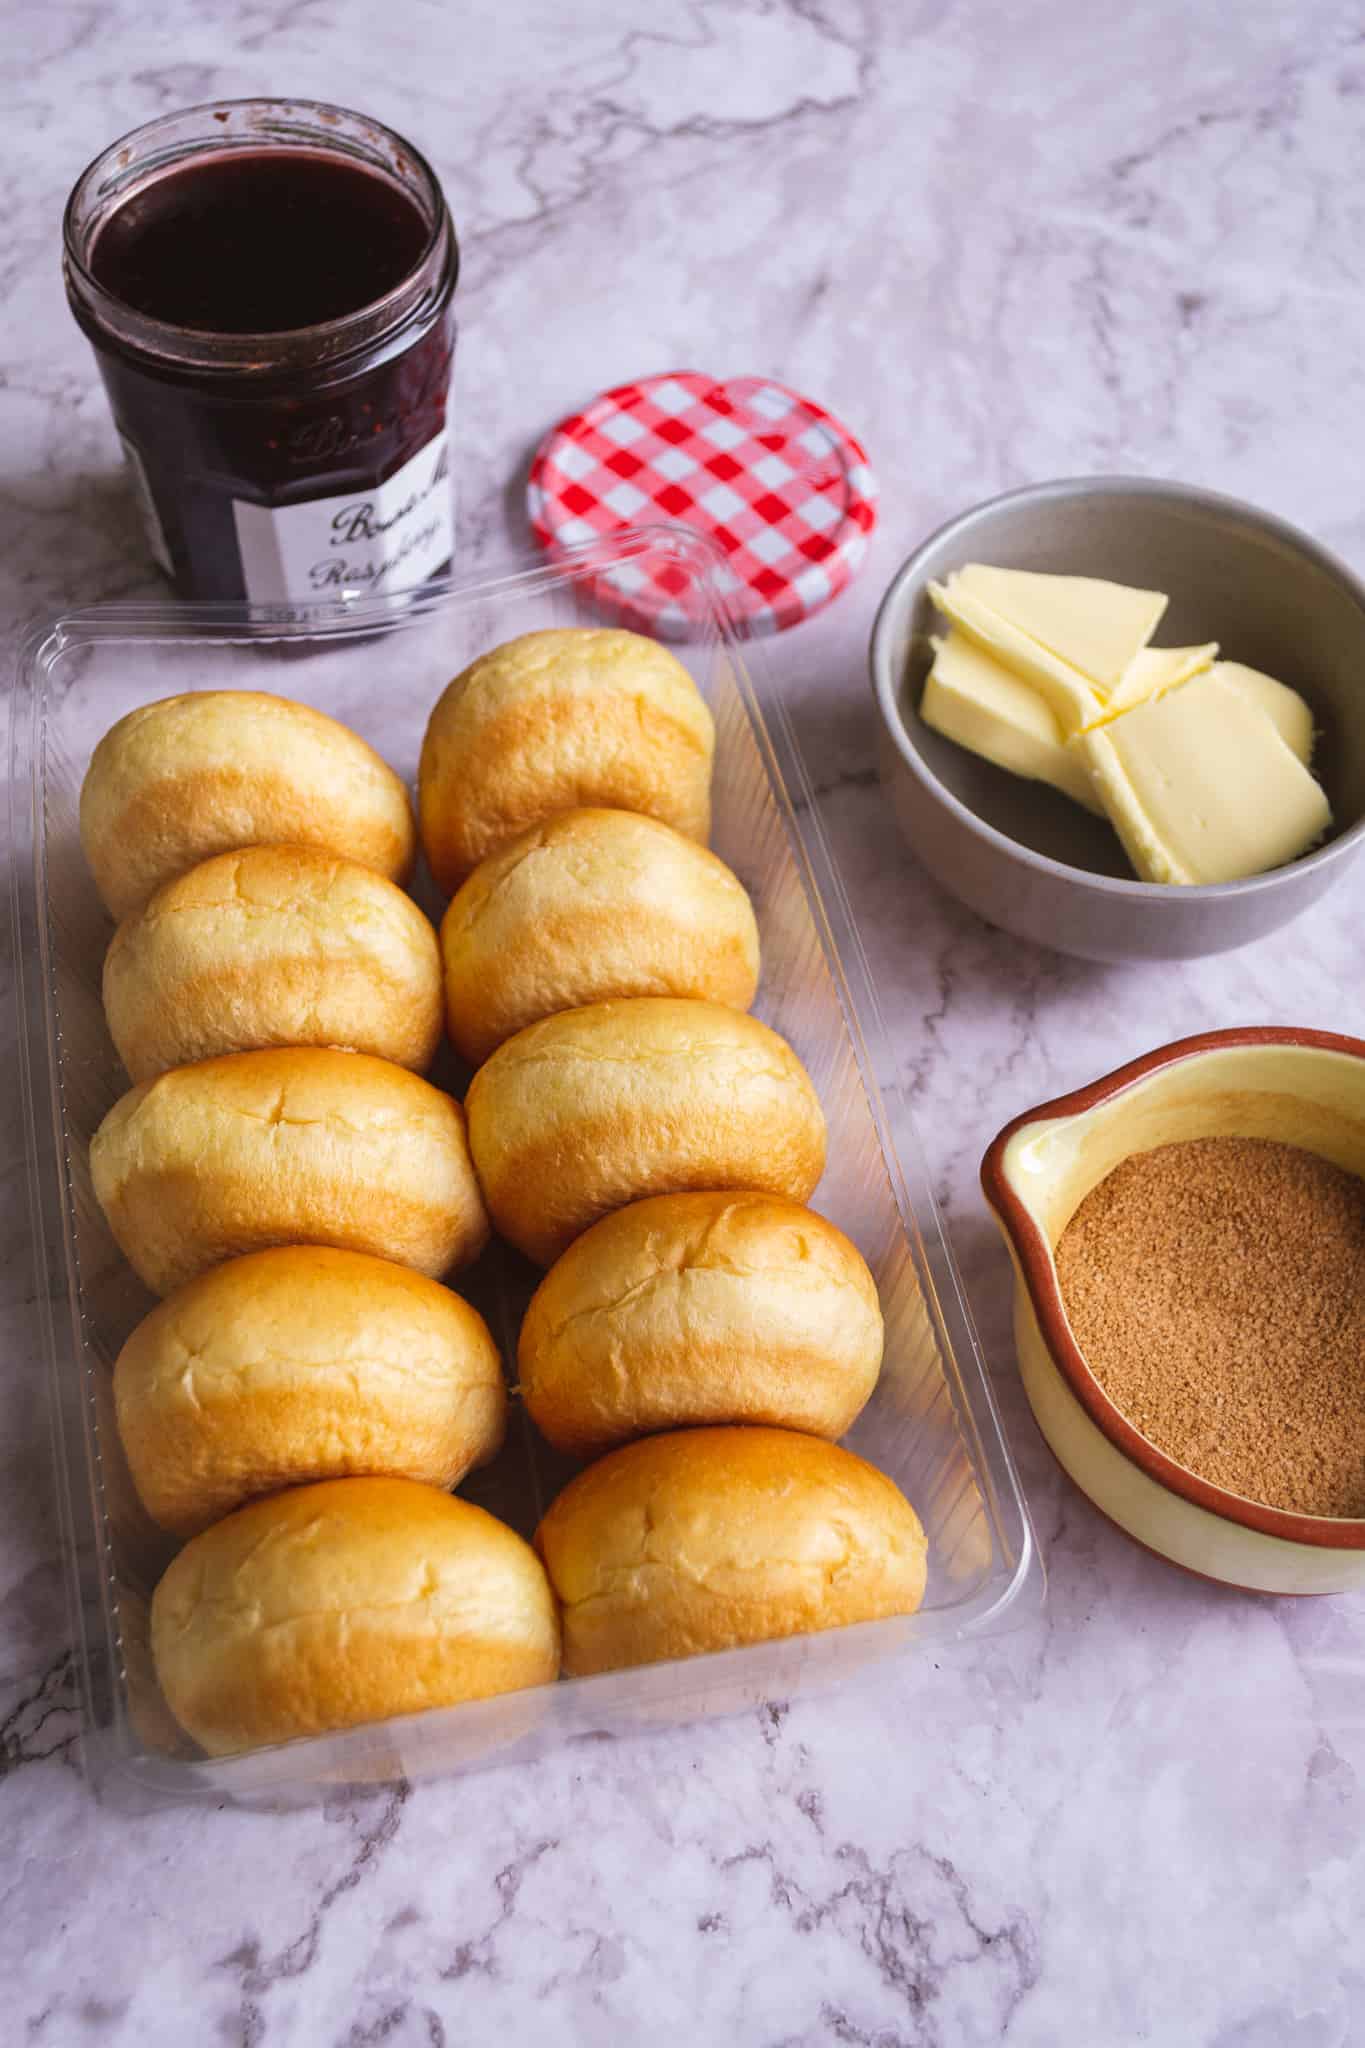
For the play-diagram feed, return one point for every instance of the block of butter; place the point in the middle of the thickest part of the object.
(974, 699)
(1095, 627)
(1153, 671)
(1284, 707)
(1069, 696)
(1200, 786)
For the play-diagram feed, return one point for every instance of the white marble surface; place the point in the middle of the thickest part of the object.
(1006, 242)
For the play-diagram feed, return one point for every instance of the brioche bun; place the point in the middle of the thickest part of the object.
(273, 945)
(346, 1602)
(297, 1364)
(709, 1538)
(597, 1107)
(700, 1308)
(554, 720)
(304, 1146)
(588, 905)
(199, 774)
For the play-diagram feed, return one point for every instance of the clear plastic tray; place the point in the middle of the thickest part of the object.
(931, 1424)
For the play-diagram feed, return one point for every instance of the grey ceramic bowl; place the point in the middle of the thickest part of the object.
(1026, 858)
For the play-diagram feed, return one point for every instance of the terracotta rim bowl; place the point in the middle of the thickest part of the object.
(1298, 1086)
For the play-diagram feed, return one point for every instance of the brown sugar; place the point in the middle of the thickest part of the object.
(1217, 1291)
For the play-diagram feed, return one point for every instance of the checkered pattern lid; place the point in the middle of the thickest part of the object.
(776, 480)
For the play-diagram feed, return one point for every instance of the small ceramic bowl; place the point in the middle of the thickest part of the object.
(1028, 859)
(1298, 1087)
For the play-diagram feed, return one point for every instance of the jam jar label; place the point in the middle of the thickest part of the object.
(386, 538)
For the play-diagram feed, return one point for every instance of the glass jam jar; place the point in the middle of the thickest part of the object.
(267, 285)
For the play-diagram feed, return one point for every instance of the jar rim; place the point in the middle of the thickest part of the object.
(434, 271)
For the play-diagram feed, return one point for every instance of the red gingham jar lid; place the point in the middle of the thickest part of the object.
(779, 483)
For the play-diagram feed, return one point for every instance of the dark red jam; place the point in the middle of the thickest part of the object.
(258, 244)
(275, 331)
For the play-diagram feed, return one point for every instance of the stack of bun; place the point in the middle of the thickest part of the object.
(636, 1131)
(283, 1174)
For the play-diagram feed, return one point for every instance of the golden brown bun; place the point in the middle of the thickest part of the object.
(588, 905)
(700, 1308)
(190, 776)
(594, 1108)
(347, 1602)
(303, 1363)
(577, 715)
(304, 1146)
(273, 945)
(713, 1537)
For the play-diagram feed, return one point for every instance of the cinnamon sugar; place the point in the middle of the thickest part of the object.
(1217, 1291)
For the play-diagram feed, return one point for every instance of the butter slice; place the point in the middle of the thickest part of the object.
(1200, 787)
(1284, 707)
(1066, 692)
(1093, 626)
(1154, 670)
(973, 699)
